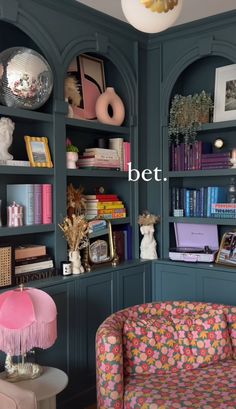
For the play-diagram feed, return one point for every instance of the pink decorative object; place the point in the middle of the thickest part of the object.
(28, 319)
(14, 215)
(110, 99)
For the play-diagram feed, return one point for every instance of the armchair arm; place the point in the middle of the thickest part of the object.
(109, 359)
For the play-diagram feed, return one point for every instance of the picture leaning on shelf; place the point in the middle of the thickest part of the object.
(38, 151)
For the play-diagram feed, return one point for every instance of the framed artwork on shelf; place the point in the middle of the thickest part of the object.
(227, 252)
(38, 151)
(84, 84)
(225, 93)
(100, 249)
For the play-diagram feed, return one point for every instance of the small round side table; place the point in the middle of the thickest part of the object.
(46, 387)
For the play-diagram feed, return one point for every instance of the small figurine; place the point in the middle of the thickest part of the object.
(148, 243)
(7, 127)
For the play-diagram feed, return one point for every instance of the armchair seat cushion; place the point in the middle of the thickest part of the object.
(210, 387)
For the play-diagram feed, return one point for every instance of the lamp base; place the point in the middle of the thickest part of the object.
(21, 371)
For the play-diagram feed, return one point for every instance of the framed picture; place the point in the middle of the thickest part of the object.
(227, 252)
(84, 84)
(101, 248)
(38, 151)
(225, 93)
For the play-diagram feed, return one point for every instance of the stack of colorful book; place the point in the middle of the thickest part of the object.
(123, 151)
(97, 226)
(105, 206)
(36, 200)
(224, 210)
(32, 258)
(99, 158)
(220, 160)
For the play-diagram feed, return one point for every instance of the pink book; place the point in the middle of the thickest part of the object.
(126, 150)
(47, 203)
(37, 204)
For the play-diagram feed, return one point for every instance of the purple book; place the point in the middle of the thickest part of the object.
(37, 204)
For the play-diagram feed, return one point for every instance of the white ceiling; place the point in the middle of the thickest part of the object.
(192, 9)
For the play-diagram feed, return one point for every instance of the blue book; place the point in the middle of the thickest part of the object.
(24, 196)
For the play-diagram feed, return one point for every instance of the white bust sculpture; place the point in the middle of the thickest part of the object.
(7, 127)
(148, 243)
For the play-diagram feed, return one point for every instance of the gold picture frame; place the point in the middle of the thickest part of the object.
(101, 248)
(227, 252)
(38, 151)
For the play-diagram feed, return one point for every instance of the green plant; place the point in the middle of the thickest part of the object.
(187, 113)
(72, 148)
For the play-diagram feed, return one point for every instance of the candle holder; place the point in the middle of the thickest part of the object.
(233, 161)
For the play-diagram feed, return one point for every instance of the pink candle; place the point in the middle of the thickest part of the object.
(234, 154)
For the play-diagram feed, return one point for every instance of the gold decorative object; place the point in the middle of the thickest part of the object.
(76, 202)
(160, 6)
(101, 248)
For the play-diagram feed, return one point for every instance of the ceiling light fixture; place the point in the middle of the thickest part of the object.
(151, 16)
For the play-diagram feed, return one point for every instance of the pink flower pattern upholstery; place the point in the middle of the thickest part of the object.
(159, 385)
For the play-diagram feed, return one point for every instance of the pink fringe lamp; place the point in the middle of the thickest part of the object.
(28, 319)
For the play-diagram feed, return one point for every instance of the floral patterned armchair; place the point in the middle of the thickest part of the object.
(167, 355)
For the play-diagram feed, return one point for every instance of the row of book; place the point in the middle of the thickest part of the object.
(122, 237)
(198, 202)
(106, 206)
(197, 156)
(36, 200)
(116, 157)
(32, 258)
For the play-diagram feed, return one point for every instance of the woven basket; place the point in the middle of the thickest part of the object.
(6, 266)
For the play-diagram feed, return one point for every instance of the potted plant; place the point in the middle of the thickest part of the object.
(71, 155)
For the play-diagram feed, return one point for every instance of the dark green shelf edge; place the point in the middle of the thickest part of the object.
(214, 126)
(203, 220)
(203, 173)
(97, 173)
(35, 228)
(25, 114)
(97, 126)
(25, 170)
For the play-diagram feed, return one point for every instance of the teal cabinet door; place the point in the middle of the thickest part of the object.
(133, 285)
(217, 286)
(174, 282)
(95, 302)
(62, 354)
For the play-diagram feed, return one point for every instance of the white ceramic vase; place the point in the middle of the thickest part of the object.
(71, 159)
(148, 243)
(74, 257)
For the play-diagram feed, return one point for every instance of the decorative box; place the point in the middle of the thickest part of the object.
(6, 266)
(195, 242)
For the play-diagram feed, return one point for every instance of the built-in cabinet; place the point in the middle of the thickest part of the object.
(83, 303)
(194, 282)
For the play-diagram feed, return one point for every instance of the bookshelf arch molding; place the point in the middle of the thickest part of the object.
(33, 36)
(116, 58)
(219, 49)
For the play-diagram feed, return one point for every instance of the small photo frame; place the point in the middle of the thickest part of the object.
(86, 78)
(227, 252)
(38, 151)
(225, 93)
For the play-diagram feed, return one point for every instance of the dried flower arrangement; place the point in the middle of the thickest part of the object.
(146, 218)
(76, 202)
(187, 113)
(75, 229)
(72, 92)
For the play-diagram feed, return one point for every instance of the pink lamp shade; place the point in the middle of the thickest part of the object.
(28, 319)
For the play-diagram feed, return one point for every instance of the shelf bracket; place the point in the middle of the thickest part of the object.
(9, 10)
(205, 45)
(102, 43)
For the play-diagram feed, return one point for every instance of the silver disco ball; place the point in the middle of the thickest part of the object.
(26, 78)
